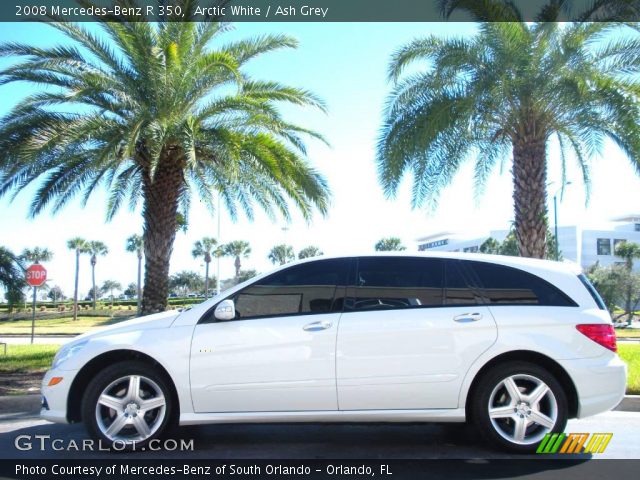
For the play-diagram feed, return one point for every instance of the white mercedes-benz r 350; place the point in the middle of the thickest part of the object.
(517, 346)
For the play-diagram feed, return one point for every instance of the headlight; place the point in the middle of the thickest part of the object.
(66, 352)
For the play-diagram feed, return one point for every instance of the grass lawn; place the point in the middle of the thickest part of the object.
(56, 325)
(27, 358)
(631, 355)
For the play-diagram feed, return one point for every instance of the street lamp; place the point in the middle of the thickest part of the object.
(555, 218)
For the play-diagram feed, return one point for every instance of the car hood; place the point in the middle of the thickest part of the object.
(148, 322)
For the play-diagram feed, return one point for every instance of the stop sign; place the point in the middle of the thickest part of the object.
(36, 275)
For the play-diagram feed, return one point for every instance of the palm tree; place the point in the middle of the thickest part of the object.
(110, 286)
(390, 244)
(80, 246)
(37, 255)
(12, 276)
(237, 249)
(508, 91)
(205, 248)
(95, 248)
(135, 244)
(310, 251)
(281, 254)
(157, 113)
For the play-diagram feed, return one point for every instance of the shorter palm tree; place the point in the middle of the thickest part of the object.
(390, 244)
(80, 246)
(110, 286)
(237, 249)
(309, 252)
(629, 251)
(135, 244)
(95, 248)
(205, 248)
(36, 255)
(11, 276)
(281, 254)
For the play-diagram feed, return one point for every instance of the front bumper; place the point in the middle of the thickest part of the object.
(55, 398)
(600, 382)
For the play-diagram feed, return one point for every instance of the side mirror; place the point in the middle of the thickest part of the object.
(226, 310)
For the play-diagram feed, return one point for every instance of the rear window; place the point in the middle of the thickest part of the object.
(592, 291)
(502, 285)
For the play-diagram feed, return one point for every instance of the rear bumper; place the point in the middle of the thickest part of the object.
(600, 382)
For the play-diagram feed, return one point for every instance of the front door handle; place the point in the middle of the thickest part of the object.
(467, 317)
(317, 326)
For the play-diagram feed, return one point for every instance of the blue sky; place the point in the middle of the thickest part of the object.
(345, 64)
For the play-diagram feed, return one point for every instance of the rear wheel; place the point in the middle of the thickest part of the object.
(127, 404)
(517, 404)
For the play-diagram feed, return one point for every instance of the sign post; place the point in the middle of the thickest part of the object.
(36, 276)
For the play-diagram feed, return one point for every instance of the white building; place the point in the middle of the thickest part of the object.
(584, 246)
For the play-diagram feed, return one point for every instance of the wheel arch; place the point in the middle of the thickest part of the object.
(533, 357)
(98, 363)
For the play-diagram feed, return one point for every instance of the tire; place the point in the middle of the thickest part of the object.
(127, 405)
(513, 424)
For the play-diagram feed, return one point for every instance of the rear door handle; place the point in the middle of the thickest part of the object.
(317, 326)
(467, 317)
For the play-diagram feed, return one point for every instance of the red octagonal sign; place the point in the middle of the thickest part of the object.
(36, 275)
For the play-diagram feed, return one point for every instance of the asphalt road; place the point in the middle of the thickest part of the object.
(319, 441)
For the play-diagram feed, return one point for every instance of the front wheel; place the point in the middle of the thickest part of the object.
(127, 405)
(517, 404)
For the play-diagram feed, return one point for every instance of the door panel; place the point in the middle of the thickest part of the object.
(265, 365)
(409, 358)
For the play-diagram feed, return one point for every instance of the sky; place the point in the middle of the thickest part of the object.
(345, 64)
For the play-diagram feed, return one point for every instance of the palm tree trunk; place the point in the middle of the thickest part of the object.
(75, 288)
(530, 195)
(139, 282)
(161, 198)
(93, 283)
(206, 280)
(237, 264)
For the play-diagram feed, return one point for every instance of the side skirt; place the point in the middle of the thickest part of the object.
(435, 415)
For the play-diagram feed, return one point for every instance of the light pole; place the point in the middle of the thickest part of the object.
(555, 219)
(217, 253)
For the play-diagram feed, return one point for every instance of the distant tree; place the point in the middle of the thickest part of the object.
(205, 248)
(36, 255)
(95, 248)
(132, 290)
(309, 252)
(629, 251)
(490, 246)
(110, 286)
(615, 283)
(281, 254)
(187, 281)
(55, 294)
(509, 246)
(12, 277)
(135, 244)
(242, 277)
(94, 292)
(237, 249)
(79, 246)
(390, 244)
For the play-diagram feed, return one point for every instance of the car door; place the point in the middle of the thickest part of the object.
(278, 354)
(410, 331)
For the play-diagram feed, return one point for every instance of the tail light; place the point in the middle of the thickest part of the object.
(601, 333)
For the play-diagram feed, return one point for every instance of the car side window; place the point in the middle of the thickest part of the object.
(398, 282)
(502, 285)
(302, 289)
(457, 289)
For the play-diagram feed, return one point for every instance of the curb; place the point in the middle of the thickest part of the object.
(630, 403)
(12, 404)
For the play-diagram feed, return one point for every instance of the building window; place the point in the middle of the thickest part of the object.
(604, 246)
(637, 227)
(473, 249)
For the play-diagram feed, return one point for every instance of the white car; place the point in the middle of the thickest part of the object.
(517, 346)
